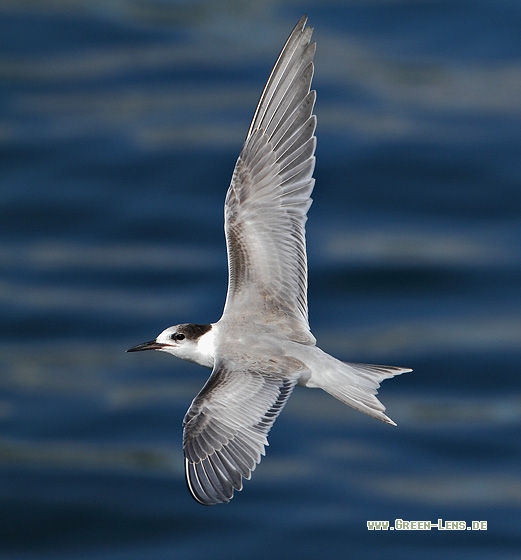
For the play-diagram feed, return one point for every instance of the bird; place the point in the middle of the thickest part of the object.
(262, 346)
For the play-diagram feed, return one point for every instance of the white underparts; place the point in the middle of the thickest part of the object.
(206, 349)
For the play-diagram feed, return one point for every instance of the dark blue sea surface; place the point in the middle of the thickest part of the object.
(120, 123)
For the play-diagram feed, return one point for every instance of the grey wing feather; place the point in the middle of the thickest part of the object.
(226, 428)
(269, 196)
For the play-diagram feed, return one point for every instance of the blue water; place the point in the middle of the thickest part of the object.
(120, 123)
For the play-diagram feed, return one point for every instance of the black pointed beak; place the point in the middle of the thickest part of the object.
(151, 345)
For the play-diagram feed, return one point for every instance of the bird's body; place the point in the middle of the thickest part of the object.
(262, 345)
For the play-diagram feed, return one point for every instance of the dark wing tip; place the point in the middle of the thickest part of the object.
(207, 485)
(301, 23)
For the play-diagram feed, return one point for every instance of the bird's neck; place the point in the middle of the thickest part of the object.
(206, 349)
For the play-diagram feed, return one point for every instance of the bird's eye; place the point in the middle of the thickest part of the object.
(178, 336)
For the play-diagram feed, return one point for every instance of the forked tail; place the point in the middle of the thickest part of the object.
(355, 384)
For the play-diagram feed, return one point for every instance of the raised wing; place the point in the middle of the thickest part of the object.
(269, 196)
(226, 428)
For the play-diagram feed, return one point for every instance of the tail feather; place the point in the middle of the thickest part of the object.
(357, 385)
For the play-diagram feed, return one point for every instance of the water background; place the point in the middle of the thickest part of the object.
(120, 123)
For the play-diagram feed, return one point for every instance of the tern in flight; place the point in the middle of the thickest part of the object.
(262, 345)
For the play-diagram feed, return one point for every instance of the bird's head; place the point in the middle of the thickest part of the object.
(187, 341)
